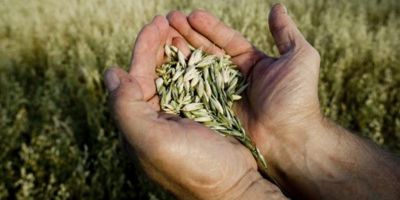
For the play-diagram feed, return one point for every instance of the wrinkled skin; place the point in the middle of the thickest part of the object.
(189, 159)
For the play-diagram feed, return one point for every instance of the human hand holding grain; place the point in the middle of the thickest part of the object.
(188, 159)
(307, 155)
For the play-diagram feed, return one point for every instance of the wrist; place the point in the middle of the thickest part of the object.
(303, 154)
(284, 144)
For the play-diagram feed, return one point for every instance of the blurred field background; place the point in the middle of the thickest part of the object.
(57, 140)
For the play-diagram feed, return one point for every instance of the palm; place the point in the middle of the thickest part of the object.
(202, 157)
(184, 156)
(281, 93)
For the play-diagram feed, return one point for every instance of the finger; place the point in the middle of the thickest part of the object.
(179, 21)
(148, 53)
(173, 33)
(163, 27)
(228, 39)
(118, 81)
(243, 53)
(181, 44)
(284, 30)
(148, 45)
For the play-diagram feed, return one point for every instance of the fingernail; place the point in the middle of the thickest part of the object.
(111, 80)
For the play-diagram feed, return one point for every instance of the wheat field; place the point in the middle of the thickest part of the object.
(57, 139)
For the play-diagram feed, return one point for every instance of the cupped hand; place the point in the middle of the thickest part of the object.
(190, 160)
(282, 96)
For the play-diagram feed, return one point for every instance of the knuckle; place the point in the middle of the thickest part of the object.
(119, 97)
(147, 28)
(211, 48)
(313, 57)
(314, 53)
(158, 17)
(160, 21)
(310, 52)
(117, 102)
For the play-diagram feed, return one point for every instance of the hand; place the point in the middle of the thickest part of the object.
(282, 98)
(185, 157)
(308, 156)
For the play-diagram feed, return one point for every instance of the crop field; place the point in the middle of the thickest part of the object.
(57, 137)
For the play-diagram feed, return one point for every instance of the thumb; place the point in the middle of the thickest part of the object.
(134, 116)
(284, 30)
(118, 81)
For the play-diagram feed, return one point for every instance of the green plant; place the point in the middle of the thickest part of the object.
(57, 139)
